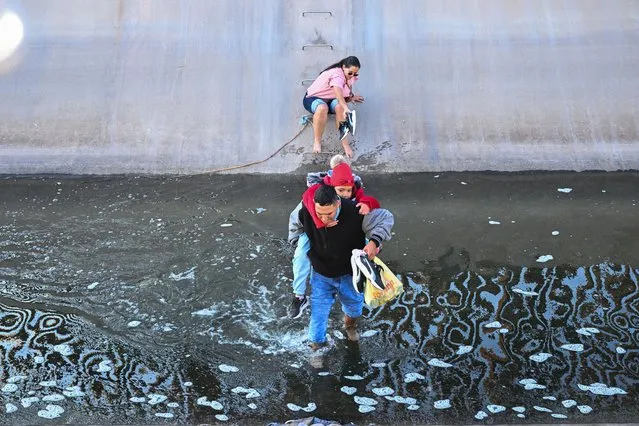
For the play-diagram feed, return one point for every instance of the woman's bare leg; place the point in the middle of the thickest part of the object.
(319, 124)
(347, 148)
(340, 115)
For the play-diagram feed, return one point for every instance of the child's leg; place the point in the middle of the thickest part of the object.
(301, 265)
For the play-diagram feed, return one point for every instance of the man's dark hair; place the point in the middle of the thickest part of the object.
(326, 195)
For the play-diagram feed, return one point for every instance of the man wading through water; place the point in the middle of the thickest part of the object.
(334, 228)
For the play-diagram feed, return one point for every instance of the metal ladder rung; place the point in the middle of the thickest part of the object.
(317, 13)
(317, 45)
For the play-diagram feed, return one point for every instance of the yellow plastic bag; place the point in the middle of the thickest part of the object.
(375, 297)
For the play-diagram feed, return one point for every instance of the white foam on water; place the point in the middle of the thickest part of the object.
(559, 416)
(464, 350)
(533, 386)
(310, 407)
(442, 404)
(521, 416)
(63, 349)
(542, 409)
(156, 398)
(16, 379)
(481, 415)
(293, 407)
(620, 350)
(369, 333)
(574, 347)
(585, 332)
(348, 390)
(339, 335)
(545, 258)
(568, 403)
(412, 377)
(549, 398)
(92, 285)
(564, 190)
(494, 222)
(540, 357)
(584, 409)
(221, 417)
(173, 405)
(413, 407)
(525, 292)
(519, 409)
(54, 397)
(10, 408)
(402, 400)
(137, 399)
(296, 365)
(434, 362)
(203, 400)
(378, 364)
(527, 381)
(364, 400)
(186, 275)
(602, 389)
(104, 366)
(9, 388)
(26, 402)
(52, 411)
(133, 324)
(224, 368)
(48, 383)
(164, 415)
(252, 393)
(493, 408)
(494, 324)
(383, 391)
(252, 406)
(354, 377)
(206, 312)
(365, 409)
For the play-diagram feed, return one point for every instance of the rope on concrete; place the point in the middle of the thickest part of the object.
(252, 163)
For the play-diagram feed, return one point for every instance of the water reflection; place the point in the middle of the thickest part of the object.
(497, 345)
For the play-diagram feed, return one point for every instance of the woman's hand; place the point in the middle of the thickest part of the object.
(357, 99)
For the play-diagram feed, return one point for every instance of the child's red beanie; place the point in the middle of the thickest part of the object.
(342, 175)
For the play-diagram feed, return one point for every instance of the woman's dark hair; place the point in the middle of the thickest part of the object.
(350, 61)
(326, 195)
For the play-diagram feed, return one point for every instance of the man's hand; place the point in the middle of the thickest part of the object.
(363, 209)
(371, 250)
(357, 99)
(331, 224)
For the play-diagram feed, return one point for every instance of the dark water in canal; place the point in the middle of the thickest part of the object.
(155, 300)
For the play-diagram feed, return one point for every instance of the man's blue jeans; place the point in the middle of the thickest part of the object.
(323, 292)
